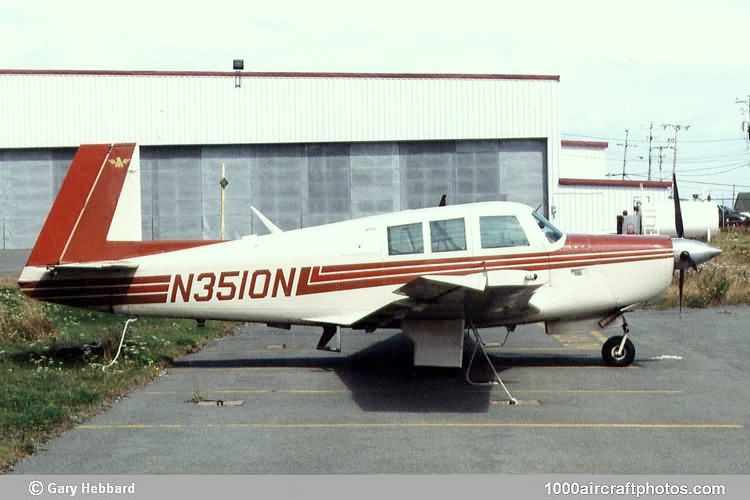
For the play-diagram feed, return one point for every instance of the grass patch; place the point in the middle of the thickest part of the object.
(51, 360)
(724, 280)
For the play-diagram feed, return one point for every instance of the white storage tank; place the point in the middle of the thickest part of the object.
(699, 218)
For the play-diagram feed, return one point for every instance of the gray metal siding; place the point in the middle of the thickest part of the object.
(29, 181)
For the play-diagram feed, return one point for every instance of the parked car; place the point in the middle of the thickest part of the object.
(731, 217)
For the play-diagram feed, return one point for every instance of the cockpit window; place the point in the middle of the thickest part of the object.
(498, 231)
(551, 232)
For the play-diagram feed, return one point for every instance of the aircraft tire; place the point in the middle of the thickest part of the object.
(609, 352)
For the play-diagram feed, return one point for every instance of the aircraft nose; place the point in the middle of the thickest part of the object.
(697, 251)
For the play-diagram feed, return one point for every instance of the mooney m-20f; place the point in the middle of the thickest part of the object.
(432, 272)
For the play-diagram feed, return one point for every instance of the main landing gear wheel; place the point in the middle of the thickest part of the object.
(618, 353)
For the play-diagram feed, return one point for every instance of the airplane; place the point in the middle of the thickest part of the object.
(436, 273)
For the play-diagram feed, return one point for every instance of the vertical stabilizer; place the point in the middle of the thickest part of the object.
(66, 210)
(126, 222)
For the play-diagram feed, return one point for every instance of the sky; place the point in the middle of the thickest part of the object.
(622, 65)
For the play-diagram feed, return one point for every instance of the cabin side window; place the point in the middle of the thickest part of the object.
(405, 239)
(448, 235)
(499, 231)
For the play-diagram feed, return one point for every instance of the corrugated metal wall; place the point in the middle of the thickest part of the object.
(589, 209)
(67, 110)
(583, 163)
(29, 181)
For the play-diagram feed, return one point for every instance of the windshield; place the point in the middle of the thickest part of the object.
(551, 232)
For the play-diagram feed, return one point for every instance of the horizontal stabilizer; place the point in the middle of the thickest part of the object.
(116, 265)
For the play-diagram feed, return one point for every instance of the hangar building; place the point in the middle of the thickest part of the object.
(305, 148)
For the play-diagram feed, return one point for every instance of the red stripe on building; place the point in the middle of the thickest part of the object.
(574, 143)
(281, 74)
(564, 181)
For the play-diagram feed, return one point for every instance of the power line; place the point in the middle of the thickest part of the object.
(701, 174)
(650, 138)
(700, 182)
(707, 166)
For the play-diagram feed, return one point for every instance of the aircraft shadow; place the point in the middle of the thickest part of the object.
(381, 377)
(517, 360)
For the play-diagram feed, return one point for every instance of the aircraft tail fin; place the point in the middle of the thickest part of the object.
(99, 200)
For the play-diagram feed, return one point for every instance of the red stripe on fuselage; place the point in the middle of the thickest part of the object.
(614, 243)
(490, 262)
(307, 284)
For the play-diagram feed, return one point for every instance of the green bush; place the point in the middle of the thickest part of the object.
(24, 322)
(713, 285)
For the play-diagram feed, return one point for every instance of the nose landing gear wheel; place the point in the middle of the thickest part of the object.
(614, 355)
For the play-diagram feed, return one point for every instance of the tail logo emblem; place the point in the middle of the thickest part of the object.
(119, 162)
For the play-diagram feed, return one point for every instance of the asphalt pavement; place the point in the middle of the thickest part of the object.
(682, 407)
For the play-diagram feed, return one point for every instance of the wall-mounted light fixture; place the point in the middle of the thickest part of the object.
(238, 65)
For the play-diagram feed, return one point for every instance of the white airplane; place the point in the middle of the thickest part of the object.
(432, 272)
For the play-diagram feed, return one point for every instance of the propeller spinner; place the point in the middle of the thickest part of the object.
(687, 253)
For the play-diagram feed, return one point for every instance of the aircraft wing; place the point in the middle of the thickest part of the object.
(444, 297)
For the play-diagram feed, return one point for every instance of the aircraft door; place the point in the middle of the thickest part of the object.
(514, 254)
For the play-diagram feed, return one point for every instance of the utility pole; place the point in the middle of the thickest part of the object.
(676, 127)
(223, 183)
(745, 124)
(625, 154)
(661, 158)
(650, 138)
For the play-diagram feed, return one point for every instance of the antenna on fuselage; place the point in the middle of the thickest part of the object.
(272, 228)
(443, 201)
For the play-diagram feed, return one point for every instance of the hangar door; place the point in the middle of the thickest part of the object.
(300, 185)
(296, 185)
